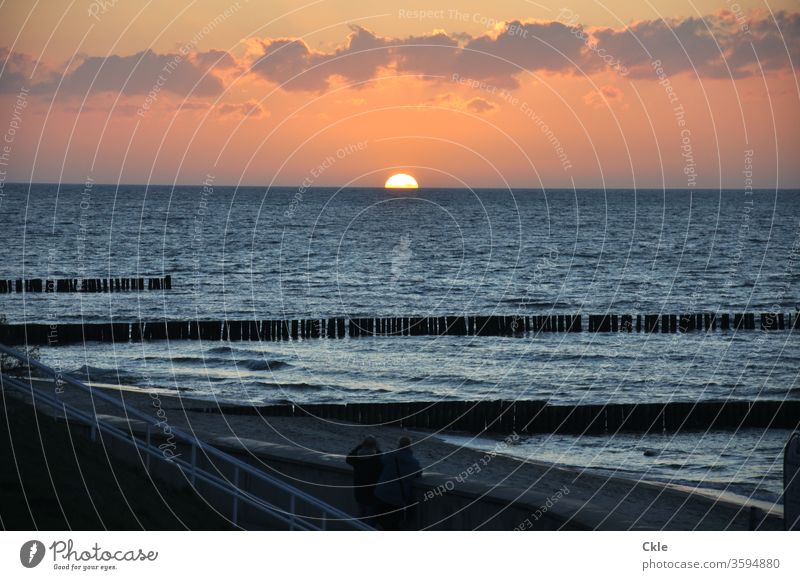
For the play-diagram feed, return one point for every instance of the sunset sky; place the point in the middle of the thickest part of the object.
(461, 94)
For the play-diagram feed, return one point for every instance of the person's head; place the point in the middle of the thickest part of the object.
(370, 443)
(404, 442)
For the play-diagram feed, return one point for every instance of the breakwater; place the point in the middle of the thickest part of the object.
(497, 325)
(504, 416)
(85, 285)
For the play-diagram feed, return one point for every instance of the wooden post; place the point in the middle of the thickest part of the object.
(664, 323)
(604, 323)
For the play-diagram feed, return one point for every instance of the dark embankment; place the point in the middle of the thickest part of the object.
(54, 478)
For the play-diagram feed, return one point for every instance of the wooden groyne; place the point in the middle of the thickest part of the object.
(86, 285)
(539, 417)
(273, 330)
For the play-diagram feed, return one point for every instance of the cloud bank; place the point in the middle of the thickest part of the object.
(720, 45)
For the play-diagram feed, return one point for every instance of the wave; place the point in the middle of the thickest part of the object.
(446, 380)
(778, 393)
(250, 364)
(193, 359)
(587, 356)
(332, 388)
(467, 381)
(293, 386)
(220, 350)
(546, 305)
(263, 364)
(103, 374)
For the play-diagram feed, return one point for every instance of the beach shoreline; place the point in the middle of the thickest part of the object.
(627, 502)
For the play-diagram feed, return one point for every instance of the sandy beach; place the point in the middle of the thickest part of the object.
(627, 504)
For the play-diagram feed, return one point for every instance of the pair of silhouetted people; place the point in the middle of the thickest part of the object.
(382, 483)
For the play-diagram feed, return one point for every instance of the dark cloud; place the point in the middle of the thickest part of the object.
(605, 96)
(479, 105)
(680, 45)
(18, 70)
(772, 45)
(251, 109)
(140, 73)
(531, 46)
(716, 46)
(136, 74)
(496, 58)
(294, 66)
(433, 55)
(284, 62)
(219, 59)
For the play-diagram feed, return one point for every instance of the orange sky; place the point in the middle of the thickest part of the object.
(462, 94)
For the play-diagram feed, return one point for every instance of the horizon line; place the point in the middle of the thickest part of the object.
(483, 187)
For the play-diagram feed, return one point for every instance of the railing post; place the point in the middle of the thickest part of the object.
(194, 463)
(147, 438)
(235, 517)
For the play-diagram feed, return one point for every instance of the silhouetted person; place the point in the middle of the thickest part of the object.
(367, 468)
(394, 489)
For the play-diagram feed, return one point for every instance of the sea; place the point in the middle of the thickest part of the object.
(288, 252)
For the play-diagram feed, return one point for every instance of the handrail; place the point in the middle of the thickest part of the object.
(118, 433)
(329, 513)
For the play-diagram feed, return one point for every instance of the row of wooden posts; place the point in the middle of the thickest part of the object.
(87, 285)
(272, 330)
(539, 417)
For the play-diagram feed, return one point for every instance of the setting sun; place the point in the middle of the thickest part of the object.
(401, 180)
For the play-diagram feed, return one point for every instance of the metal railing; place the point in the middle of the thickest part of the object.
(192, 469)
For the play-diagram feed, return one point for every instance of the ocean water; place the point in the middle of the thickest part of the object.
(253, 253)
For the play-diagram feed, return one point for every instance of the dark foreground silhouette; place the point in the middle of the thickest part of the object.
(54, 479)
